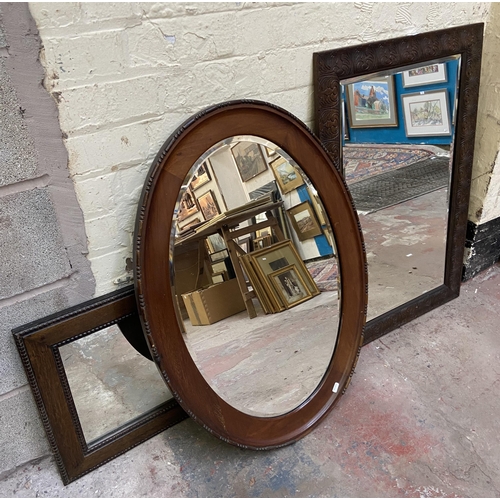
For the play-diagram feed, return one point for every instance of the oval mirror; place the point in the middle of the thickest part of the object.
(250, 274)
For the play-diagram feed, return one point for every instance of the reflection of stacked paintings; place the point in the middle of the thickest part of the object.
(279, 277)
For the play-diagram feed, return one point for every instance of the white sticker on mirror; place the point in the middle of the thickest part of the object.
(335, 387)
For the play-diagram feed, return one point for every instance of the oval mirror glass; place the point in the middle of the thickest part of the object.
(255, 276)
(243, 232)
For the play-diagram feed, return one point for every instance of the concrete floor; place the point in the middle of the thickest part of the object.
(420, 419)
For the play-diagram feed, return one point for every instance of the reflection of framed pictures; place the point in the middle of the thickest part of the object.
(187, 206)
(278, 256)
(424, 75)
(304, 221)
(201, 176)
(286, 175)
(426, 113)
(208, 205)
(371, 103)
(249, 160)
(289, 285)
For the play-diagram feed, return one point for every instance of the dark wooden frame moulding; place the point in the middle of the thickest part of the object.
(152, 269)
(333, 66)
(38, 344)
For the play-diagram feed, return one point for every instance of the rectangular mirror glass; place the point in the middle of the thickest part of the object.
(397, 146)
(110, 381)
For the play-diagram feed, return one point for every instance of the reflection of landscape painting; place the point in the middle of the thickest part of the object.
(424, 75)
(371, 99)
(287, 176)
(201, 176)
(424, 70)
(208, 205)
(371, 103)
(426, 113)
(304, 221)
(249, 160)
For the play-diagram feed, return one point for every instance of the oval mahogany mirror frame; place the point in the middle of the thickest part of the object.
(153, 270)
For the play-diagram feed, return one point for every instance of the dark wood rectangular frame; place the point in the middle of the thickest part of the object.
(332, 66)
(38, 344)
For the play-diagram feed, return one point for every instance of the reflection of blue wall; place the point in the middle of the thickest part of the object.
(395, 135)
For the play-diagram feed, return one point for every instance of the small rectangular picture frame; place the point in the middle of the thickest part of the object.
(426, 113)
(201, 176)
(208, 205)
(188, 205)
(304, 221)
(372, 103)
(424, 75)
(249, 160)
(38, 344)
(286, 175)
(279, 255)
(290, 286)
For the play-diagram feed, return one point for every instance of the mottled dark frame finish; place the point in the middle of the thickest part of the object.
(38, 344)
(332, 66)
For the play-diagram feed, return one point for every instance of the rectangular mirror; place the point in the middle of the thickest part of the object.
(398, 118)
(398, 137)
(97, 396)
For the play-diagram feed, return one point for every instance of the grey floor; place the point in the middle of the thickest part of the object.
(420, 419)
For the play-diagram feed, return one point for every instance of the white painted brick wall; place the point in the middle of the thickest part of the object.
(127, 74)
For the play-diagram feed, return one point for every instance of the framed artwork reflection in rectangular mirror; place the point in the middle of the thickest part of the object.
(410, 183)
(97, 396)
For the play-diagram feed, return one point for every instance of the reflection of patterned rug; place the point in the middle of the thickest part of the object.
(400, 185)
(363, 161)
(324, 273)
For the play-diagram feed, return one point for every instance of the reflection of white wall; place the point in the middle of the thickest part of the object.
(229, 181)
(126, 75)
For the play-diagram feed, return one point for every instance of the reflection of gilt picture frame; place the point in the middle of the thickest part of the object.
(426, 113)
(289, 286)
(201, 176)
(425, 75)
(187, 206)
(208, 205)
(304, 221)
(286, 175)
(249, 160)
(317, 205)
(276, 257)
(372, 103)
